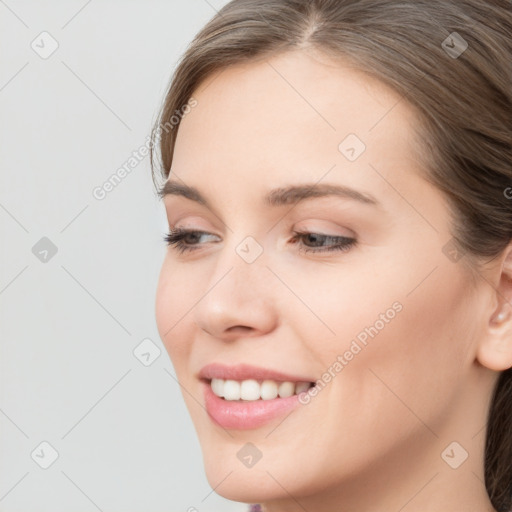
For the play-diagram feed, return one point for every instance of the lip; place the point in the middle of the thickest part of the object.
(246, 371)
(241, 415)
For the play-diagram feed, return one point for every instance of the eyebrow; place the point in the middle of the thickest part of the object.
(277, 197)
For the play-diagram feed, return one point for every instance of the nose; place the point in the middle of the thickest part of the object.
(238, 300)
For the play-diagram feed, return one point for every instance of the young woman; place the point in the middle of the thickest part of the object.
(336, 296)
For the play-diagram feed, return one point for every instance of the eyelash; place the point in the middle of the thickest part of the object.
(175, 238)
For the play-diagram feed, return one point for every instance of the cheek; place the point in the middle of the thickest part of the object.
(171, 307)
(408, 372)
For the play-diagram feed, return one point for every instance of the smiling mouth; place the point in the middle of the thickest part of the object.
(251, 390)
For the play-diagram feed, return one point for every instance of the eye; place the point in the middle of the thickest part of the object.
(338, 243)
(184, 240)
(178, 239)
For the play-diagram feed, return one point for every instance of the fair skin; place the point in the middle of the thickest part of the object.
(372, 439)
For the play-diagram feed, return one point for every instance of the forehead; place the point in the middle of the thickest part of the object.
(305, 85)
(290, 116)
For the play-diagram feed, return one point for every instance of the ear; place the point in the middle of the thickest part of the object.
(495, 348)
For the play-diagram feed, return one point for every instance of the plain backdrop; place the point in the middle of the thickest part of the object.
(91, 417)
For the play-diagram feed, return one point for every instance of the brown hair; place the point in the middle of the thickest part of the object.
(463, 97)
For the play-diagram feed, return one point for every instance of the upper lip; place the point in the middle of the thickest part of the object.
(242, 372)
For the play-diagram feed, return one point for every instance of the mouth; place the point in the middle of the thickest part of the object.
(244, 396)
(250, 404)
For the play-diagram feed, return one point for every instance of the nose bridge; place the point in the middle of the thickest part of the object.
(238, 291)
(240, 270)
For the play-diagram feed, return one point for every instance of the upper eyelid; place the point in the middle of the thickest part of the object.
(309, 203)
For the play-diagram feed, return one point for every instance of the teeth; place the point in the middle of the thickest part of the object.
(251, 389)
(286, 389)
(268, 390)
(218, 387)
(302, 386)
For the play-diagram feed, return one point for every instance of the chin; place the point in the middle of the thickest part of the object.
(244, 485)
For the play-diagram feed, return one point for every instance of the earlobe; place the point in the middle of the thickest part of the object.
(495, 352)
(495, 349)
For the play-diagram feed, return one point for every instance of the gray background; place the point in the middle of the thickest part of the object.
(69, 322)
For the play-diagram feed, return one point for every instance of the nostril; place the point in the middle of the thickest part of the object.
(242, 328)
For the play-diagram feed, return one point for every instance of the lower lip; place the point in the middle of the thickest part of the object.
(245, 415)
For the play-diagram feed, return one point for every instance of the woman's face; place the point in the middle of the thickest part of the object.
(386, 327)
